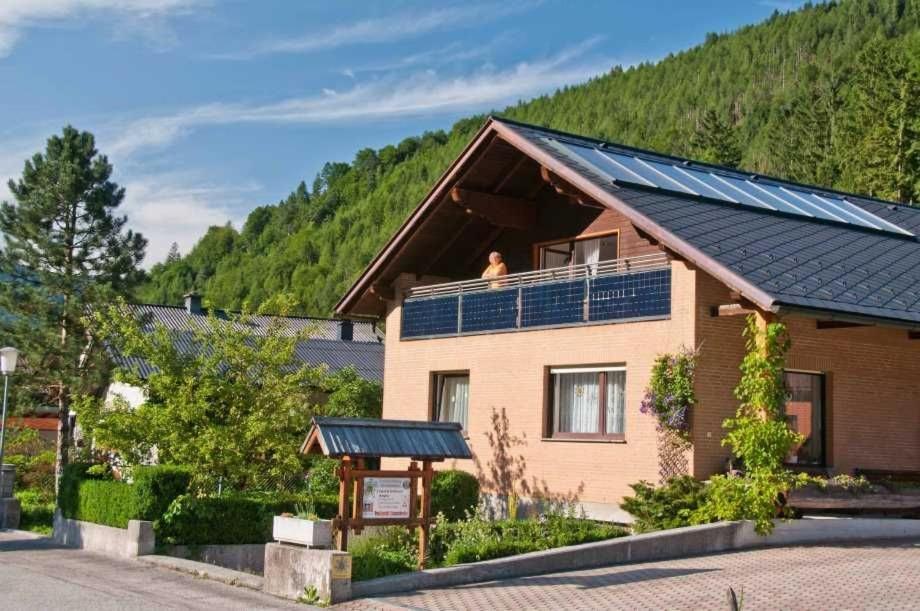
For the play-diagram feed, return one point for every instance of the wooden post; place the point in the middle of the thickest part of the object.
(424, 527)
(344, 509)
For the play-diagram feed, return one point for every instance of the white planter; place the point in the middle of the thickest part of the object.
(312, 533)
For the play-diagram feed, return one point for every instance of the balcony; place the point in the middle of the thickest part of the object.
(635, 288)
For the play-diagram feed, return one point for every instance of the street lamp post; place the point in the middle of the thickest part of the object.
(8, 357)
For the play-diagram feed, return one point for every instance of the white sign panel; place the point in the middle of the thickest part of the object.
(386, 497)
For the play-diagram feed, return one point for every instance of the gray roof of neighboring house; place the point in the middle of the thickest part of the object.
(364, 351)
(365, 437)
(787, 260)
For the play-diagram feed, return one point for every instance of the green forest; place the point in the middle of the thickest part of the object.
(826, 95)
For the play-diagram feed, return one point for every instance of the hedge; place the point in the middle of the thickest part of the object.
(454, 493)
(232, 518)
(113, 503)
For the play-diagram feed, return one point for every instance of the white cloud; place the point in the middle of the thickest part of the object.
(383, 29)
(179, 207)
(423, 93)
(141, 16)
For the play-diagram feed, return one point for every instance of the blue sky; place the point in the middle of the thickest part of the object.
(209, 108)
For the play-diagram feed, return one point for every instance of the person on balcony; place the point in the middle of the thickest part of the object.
(496, 269)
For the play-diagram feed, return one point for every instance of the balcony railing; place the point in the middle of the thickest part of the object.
(621, 289)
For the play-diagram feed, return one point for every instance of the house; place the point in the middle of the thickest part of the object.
(334, 343)
(617, 255)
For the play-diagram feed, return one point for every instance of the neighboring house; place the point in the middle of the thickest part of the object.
(334, 343)
(617, 255)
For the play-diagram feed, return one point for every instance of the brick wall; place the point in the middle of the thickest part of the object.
(872, 391)
(507, 372)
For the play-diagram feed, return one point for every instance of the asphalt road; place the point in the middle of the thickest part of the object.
(36, 575)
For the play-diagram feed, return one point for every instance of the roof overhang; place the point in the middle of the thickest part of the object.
(493, 128)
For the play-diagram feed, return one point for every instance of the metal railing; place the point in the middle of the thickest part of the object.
(631, 288)
(540, 276)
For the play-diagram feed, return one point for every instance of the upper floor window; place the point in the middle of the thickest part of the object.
(587, 402)
(451, 397)
(578, 251)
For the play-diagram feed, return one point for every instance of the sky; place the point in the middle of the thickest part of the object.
(210, 108)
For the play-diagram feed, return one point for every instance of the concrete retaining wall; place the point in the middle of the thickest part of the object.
(136, 540)
(662, 545)
(249, 558)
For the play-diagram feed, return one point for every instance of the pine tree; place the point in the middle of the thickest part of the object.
(65, 251)
(715, 141)
(804, 142)
(881, 148)
(173, 255)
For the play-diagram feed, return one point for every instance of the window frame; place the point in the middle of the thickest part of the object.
(823, 461)
(434, 387)
(549, 403)
(570, 241)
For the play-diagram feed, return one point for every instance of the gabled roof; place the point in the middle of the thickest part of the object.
(860, 259)
(364, 351)
(368, 438)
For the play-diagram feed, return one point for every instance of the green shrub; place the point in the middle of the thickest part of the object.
(156, 486)
(391, 552)
(395, 549)
(105, 502)
(670, 506)
(231, 518)
(455, 494)
(322, 480)
(37, 512)
(85, 496)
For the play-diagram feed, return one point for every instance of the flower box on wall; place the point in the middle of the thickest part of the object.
(312, 533)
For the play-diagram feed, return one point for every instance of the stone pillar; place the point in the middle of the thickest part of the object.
(309, 575)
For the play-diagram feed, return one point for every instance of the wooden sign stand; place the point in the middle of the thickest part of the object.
(351, 480)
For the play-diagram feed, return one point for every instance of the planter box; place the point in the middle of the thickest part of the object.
(311, 533)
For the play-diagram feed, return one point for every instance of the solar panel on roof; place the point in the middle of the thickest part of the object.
(625, 166)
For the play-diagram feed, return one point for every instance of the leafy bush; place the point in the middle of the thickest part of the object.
(106, 502)
(670, 395)
(478, 539)
(391, 552)
(34, 460)
(37, 512)
(85, 496)
(758, 435)
(455, 494)
(322, 480)
(670, 506)
(395, 549)
(231, 518)
(155, 487)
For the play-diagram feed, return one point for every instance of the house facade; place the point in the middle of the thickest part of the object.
(616, 256)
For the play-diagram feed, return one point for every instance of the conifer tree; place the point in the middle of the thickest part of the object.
(173, 255)
(881, 148)
(65, 251)
(715, 141)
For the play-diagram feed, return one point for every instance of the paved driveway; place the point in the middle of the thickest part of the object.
(34, 574)
(879, 576)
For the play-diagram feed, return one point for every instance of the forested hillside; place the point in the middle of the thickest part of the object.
(828, 95)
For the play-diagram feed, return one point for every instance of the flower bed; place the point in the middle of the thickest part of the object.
(473, 540)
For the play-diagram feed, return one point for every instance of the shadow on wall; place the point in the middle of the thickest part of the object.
(504, 476)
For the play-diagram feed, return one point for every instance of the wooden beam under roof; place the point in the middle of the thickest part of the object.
(446, 246)
(732, 309)
(566, 190)
(498, 210)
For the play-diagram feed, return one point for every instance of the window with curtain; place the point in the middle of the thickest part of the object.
(587, 402)
(452, 398)
(577, 252)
